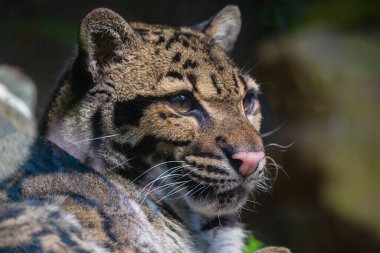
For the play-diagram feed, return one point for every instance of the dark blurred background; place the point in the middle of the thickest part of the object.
(318, 63)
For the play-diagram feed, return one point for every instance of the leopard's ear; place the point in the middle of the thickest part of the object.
(224, 27)
(104, 35)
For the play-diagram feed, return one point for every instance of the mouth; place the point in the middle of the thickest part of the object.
(213, 193)
(212, 202)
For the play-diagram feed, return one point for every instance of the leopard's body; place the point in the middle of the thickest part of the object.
(136, 151)
(82, 210)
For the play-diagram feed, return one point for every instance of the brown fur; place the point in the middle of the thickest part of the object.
(66, 205)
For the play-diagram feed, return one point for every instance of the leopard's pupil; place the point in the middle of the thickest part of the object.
(248, 103)
(181, 103)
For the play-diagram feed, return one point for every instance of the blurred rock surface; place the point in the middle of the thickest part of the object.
(17, 121)
(326, 83)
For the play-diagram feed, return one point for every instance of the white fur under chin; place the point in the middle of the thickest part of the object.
(223, 240)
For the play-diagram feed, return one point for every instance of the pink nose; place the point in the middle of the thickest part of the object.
(249, 161)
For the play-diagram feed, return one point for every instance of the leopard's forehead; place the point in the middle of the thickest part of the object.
(176, 59)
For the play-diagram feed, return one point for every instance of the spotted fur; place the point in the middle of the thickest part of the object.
(119, 165)
(56, 204)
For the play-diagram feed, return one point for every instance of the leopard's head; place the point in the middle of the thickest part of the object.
(151, 96)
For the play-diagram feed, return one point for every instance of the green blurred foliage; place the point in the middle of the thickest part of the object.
(55, 30)
(252, 244)
(343, 13)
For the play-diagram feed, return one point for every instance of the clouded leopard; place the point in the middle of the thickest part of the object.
(150, 144)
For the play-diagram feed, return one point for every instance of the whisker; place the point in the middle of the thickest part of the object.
(165, 187)
(155, 166)
(254, 202)
(188, 194)
(200, 188)
(160, 177)
(92, 139)
(246, 72)
(116, 166)
(170, 175)
(277, 167)
(174, 191)
(165, 174)
(280, 146)
(269, 133)
(207, 186)
(248, 209)
(276, 149)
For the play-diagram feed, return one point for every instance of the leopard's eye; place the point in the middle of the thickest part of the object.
(181, 103)
(248, 102)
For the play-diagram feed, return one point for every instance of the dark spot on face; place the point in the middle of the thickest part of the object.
(220, 140)
(176, 57)
(157, 51)
(185, 43)
(173, 39)
(174, 74)
(190, 64)
(214, 81)
(188, 35)
(193, 80)
(160, 40)
(162, 115)
(141, 31)
(178, 143)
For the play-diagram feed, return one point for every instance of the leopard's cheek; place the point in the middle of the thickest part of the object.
(255, 118)
(167, 126)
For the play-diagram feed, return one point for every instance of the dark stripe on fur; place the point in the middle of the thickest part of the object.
(209, 168)
(216, 170)
(214, 81)
(94, 205)
(130, 112)
(193, 80)
(174, 74)
(190, 64)
(173, 39)
(206, 154)
(236, 84)
(97, 128)
(142, 31)
(201, 178)
(160, 40)
(178, 143)
(242, 80)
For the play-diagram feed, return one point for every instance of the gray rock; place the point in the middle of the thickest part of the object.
(17, 122)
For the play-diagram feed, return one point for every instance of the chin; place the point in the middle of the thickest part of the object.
(219, 204)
